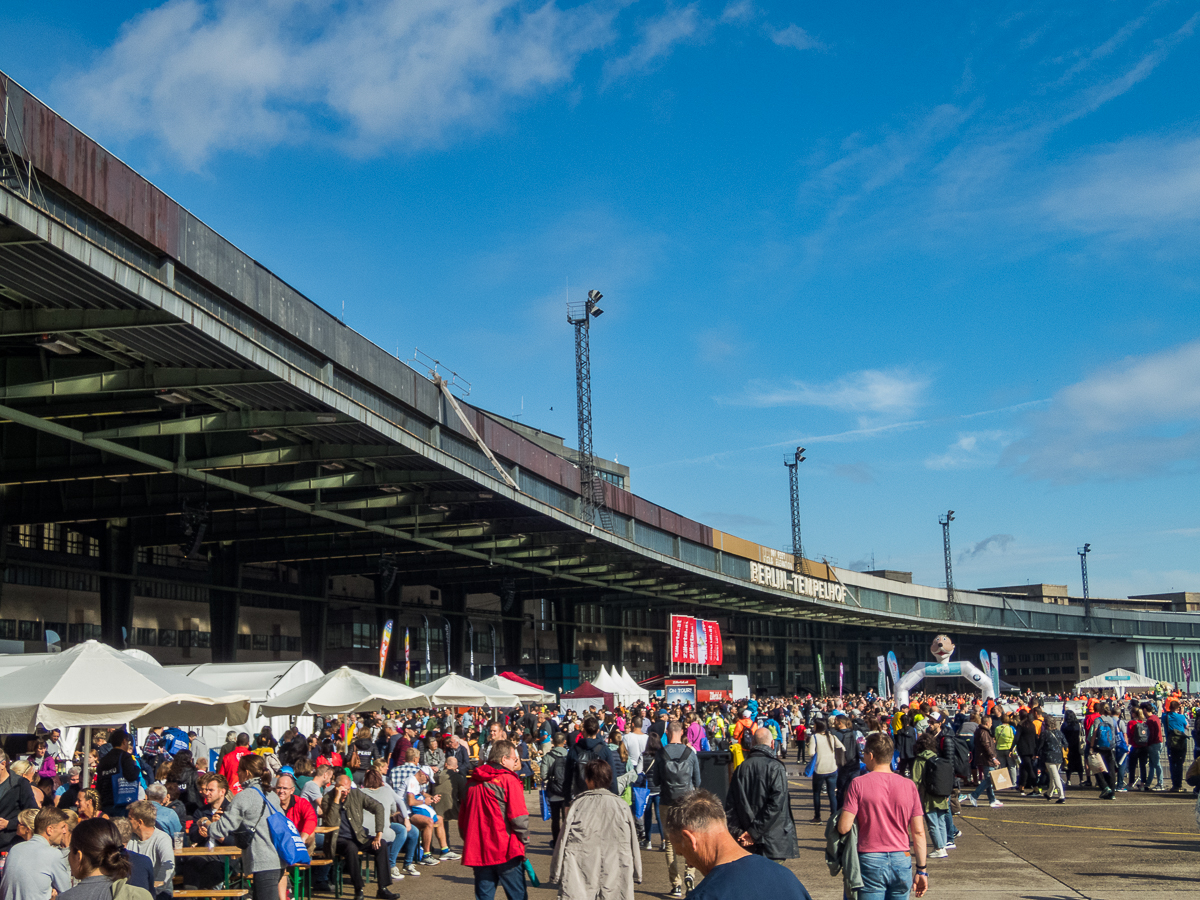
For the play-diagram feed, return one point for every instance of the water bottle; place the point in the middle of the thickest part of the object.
(3, 861)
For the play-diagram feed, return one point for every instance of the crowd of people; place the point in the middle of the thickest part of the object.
(421, 788)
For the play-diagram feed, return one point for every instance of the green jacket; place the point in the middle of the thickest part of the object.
(928, 801)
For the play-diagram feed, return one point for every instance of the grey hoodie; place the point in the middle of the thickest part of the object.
(247, 808)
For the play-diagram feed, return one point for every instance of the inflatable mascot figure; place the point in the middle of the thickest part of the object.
(942, 648)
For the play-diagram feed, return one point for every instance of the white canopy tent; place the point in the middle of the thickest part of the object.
(523, 692)
(262, 681)
(455, 690)
(635, 691)
(93, 684)
(343, 690)
(1117, 680)
(606, 682)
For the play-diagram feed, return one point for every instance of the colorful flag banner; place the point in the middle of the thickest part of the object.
(821, 675)
(893, 668)
(841, 677)
(407, 658)
(996, 674)
(384, 645)
(881, 685)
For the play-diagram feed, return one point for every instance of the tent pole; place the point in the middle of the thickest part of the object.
(87, 756)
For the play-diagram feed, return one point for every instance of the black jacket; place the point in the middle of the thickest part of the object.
(759, 804)
(598, 749)
(1029, 742)
(16, 794)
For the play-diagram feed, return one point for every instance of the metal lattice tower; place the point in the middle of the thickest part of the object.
(794, 479)
(591, 490)
(945, 521)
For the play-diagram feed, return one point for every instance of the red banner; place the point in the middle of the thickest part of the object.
(683, 639)
(712, 638)
(696, 641)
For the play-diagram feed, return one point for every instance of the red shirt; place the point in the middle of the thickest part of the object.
(229, 766)
(302, 815)
(883, 803)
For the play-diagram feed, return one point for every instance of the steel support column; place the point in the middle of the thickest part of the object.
(454, 601)
(224, 602)
(565, 630)
(118, 554)
(314, 614)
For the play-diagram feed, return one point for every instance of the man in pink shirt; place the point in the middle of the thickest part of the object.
(887, 809)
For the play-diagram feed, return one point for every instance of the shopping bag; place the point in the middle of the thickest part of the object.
(1000, 779)
(545, 807)
(641, 796)
(1096, 763)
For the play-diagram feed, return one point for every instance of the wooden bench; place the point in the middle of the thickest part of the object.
(215, 892)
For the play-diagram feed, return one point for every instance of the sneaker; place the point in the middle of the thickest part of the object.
(412, 870)
(689, 883)
(971, 799)
(1061, 800)
(952, 846)
(430, 861)
(396, 873)
(449, 854)
(938, 854)
(646, 845)
(996, 804)
(1122, 790)
(677, 892)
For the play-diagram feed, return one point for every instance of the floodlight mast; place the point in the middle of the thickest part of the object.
(591, 490)
(794, 484)
(1083, 552)
(945, 521)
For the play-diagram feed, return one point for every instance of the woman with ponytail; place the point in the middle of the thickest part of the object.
(99, 864)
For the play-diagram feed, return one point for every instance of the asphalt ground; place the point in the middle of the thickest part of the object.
(1138, 845)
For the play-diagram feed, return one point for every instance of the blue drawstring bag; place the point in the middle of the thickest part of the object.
(641, 797)
(811, 767)
(287, 840)
(545, 807)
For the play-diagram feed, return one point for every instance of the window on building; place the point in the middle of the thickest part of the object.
(259, 642)
(187, 638)
(28, 630)
(293, 644)
(243, 642)
(146, 637)
(168, 637)
(78, 632)
(203, 639)
(8, 629)
(59, 628)
(1068, 670)
(1084, 670)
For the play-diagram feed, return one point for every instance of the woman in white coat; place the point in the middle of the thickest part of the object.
(597, 855)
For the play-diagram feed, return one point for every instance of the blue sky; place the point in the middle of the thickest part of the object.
(949, 250)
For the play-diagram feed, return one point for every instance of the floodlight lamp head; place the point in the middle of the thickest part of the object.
(950, 516)
(595, 296)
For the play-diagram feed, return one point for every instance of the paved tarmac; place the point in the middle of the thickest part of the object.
(1139, 845)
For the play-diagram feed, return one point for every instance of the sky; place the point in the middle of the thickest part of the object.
(949, 249)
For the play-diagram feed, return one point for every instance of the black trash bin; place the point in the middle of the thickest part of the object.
(714, 771)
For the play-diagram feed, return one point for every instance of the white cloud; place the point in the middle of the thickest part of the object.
(972, 450)
(739, 11)
(795, 37)
(658, 37)
(1133, 186)
(199, 76)
(868, 391)
(1137, 418)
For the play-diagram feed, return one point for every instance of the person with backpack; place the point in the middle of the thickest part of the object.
(906, 744)
(554, 782)
(591, 745)
(1029, 749)
(1102, 741)
(1153, 748)
(1006, 740)
(1175, 724)
(934, 777)
(1138, 735)
(247, 816)
(823, 747)
(677, 774)
(850, 763)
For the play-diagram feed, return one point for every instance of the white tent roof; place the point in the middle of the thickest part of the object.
(520, 691)
(260, 680)
(343, 690)
(636, 690)
(93, 684)
(1117, 680)
(606, 682)
(455, 690)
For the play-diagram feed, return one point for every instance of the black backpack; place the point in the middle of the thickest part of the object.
(939, 777)
(676, 777)
(1176, 740)
(962, 757)
(556, 778)
(1141, 734)
(583, 756)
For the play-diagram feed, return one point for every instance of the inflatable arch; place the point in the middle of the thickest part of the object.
(942, 648)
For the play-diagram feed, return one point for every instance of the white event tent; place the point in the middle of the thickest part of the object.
(1117, 680)
(262, 681)
(455, 690)
(343, 690)
(93, 684)
(523, 692)
(635, 691)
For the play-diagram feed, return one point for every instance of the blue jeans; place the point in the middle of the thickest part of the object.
(652, 813)
(886, 876)
(937, 828)
(1154, 757)
(407, 843)
(986, 785)
(509, 875)
(824, 784)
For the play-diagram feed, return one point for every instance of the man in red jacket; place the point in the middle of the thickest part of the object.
(494, 824)
(229, 762)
